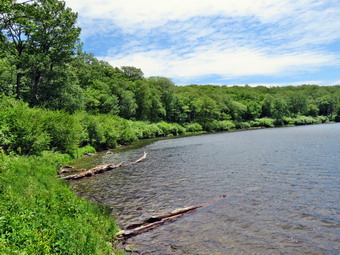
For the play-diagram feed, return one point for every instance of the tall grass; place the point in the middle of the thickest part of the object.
(39, 214)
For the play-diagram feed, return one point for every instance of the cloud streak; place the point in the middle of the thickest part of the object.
(186, 40)
(205, 61)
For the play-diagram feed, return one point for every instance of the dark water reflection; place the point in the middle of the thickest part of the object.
(282, 187)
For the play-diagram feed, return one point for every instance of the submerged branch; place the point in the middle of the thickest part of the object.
(158, 220)
(155, 221)
(101, 168)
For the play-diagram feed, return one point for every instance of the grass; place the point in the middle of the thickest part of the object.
(39, 214)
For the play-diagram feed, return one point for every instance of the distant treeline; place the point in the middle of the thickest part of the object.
(88, 84)
(41, 63)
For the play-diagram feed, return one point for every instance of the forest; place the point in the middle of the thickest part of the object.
(58, 101)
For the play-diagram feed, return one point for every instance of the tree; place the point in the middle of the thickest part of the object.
(149, 102)
(327, 105)
(7, 77)
(132, 73)
(127, 104)
(166, 88)
(253, 109)
(280, 110)
(13, 21)
(267, 106)
(40, 36)
(298, 104)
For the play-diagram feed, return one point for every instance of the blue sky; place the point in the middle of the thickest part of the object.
(223, 42)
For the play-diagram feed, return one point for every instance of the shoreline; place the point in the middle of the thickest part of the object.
(146, 141)
(137, 145)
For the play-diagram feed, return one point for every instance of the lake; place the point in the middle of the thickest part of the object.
(281, 187)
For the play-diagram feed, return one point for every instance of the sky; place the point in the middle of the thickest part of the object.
(222, 42)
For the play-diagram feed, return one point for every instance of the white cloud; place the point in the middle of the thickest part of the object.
(280, 84)
(129, 14)
(335, 82)
(228, 63)
(186, 39)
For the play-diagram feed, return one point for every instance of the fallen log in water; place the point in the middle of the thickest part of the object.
(138, 160)
(96, 170)
(155, 221)
(101, 169)
(69, 169)
(158, 220)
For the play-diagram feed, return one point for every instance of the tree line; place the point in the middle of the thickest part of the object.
(42, 63)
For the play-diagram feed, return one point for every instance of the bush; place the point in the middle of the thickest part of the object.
(21, 128)
(263, 122)
(193, 127)
(242, 125)
(288, 121)
(226, 125)
(306, 120)
(168, 129)
(81, 151)
(64, 129)
(322, 119)
(211, 126)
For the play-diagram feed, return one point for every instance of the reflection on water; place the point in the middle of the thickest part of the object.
(282, 190)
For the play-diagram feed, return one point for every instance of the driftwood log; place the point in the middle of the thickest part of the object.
(101, 168)
(158, 220)
(155, 221)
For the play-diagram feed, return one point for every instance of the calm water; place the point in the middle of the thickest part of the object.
(282, 190)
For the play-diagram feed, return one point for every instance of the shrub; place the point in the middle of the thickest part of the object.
(81, 151)
(322, 119)
(193, 127)
(263, 122)
(288, 121)
(305, 120)
(211, 126)
(226, 125)
(242, 125)
(64, 129)
(21, 128)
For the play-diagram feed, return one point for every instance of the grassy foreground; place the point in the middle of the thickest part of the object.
(39, 214)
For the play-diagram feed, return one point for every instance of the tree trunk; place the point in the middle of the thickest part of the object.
(18, 85)
(35, 87)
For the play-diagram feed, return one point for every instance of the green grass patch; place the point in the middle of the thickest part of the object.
(39, 214)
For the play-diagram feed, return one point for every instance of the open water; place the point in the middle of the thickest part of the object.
(281, 187)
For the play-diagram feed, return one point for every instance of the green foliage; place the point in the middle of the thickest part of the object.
(64, 130)
(21, 128)
(81, 151)
(263, 122)
(242, 125)
(167, 129)
(305, 120)
(7, 77)
(39, 214)
(132, 73)
(38, 64)
(39, 37)
(193, 127)
(280, 110)
(216, 125)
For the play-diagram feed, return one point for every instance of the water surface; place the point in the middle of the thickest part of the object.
(282, 190)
